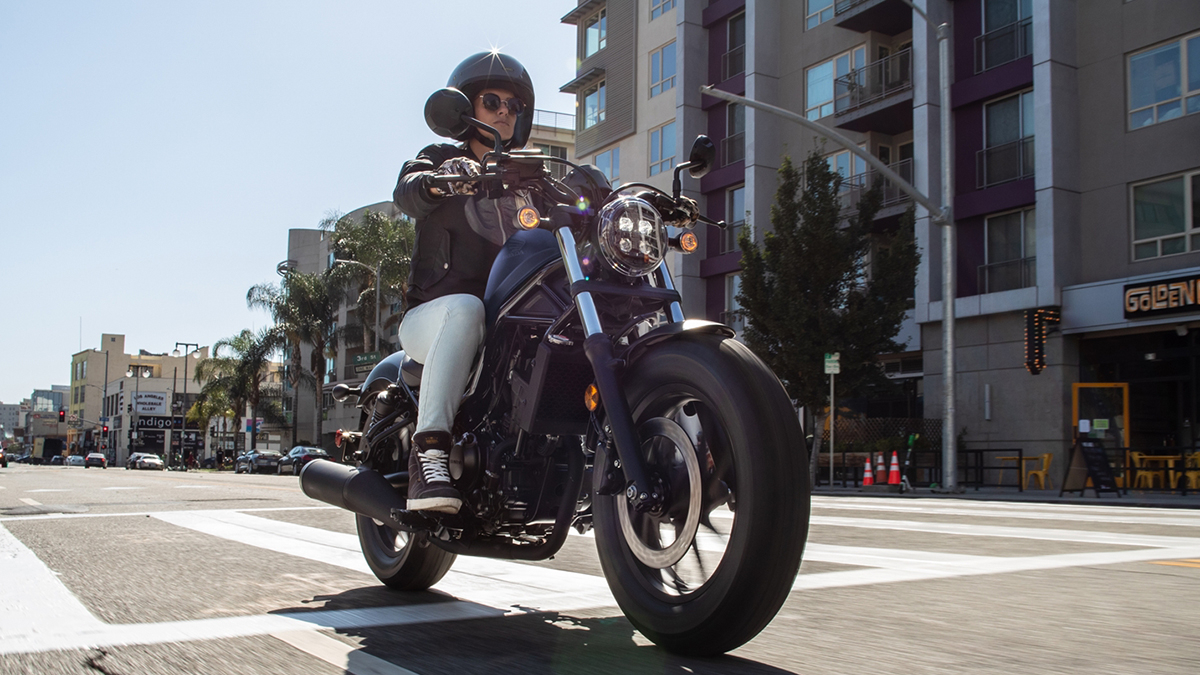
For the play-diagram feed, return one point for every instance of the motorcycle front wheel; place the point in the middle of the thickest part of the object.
(706, 572)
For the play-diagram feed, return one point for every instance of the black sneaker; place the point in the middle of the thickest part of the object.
(429, 487)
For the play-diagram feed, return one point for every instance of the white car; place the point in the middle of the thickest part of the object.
(75, 460)
(149, 461)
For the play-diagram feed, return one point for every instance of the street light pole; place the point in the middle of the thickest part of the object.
(942, 215)
(183, 404)
(377, 269)
(137, 376)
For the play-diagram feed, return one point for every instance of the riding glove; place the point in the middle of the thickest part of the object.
(459, 166)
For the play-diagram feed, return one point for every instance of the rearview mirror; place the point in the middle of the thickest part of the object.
(445, 112)
(702, 157)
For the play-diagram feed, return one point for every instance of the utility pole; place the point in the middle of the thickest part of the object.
(942, 215)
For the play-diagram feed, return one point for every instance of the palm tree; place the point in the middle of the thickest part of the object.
(305, 308)
(377, 241)
(242, 378)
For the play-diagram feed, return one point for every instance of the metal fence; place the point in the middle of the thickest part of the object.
(733, 149)
(1008, 275)
(854, 187)
(733, 62)
(729, 236)
(1002, 163)
(555, 120)
(872, 82)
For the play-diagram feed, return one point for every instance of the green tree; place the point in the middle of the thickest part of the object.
(242, 378)
(305, 309)
(808, 290)
(374, 240)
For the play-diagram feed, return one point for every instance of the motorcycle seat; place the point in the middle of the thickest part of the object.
(411, 371)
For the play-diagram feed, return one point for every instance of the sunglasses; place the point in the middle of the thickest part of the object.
(492, 103)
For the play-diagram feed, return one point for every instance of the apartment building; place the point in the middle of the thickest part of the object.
(1091, 225)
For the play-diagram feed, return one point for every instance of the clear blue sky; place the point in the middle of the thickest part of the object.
(153, 155)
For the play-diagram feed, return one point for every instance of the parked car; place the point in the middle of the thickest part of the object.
(257, 461)
(298, 457)
(149, 461)
(75, 460)
(95, 459)
(58, 460)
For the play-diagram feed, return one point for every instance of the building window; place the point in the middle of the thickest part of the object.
(609, 163)
(735, 218)
(1007, 33)
(662, 70)
(557, 170)
(819, 11)
(733, 61)
(730, 317)
(595, 33)
(1164, 82)
(847, 165)
(1008, 141)
(733, 146)
(83, 370)
(660, 7)
(593, 105)
(1166, 216)
(662, 148)
(1010, 249)
(819, 81)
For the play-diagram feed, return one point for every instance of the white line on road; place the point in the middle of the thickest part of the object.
(124, 488)
(339, 654)
(976, 530)
(32, 598)
(31, 502)
(196, 487)
(50, 490)
(1185, 520)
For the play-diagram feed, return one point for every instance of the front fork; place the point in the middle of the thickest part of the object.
(599, 349)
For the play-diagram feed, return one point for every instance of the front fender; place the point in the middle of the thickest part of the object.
(671, 330)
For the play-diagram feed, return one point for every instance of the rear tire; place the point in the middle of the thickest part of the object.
(727, 586)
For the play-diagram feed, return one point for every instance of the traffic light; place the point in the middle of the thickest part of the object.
(62, 415)
(104, 429)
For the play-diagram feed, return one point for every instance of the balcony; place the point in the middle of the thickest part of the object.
(733, 149)
(854, 187)
(1005, 44)
(733, 62)
(1008, 275)
(877, 97)
(729, 237)
(554, 120)
(890, 17)
(1003, 163)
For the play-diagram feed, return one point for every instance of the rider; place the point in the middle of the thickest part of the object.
(458, 237)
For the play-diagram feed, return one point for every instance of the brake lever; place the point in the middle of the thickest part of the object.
(710, 221)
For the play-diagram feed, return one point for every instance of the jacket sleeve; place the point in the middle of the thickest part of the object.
(411, 195)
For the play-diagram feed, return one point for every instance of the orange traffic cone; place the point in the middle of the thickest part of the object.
(894, 471)
(880, 471)
(868, 479)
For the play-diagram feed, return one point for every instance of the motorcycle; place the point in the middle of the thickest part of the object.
(594, 404)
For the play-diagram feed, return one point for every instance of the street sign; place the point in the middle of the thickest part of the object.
(365, 359)
(103, 419)
(833, 365)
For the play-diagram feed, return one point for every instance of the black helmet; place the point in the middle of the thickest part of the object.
(492, 69)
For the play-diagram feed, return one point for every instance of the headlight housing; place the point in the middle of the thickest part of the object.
(633, 238)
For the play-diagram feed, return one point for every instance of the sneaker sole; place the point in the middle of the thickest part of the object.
(440, 504)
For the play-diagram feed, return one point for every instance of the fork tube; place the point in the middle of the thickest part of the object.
(583, 301)
(668, 282)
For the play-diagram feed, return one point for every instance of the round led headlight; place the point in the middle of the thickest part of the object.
(632, 236)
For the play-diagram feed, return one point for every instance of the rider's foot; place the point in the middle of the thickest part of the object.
(429, 487)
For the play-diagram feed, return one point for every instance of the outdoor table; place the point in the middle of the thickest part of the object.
(1164, 463)
(973, 464)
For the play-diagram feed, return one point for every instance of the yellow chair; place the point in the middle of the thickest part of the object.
(1043, 474)
(1192, 470)
(1015, 460)
(1146, 475)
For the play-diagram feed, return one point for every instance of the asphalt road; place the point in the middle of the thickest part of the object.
(122, 572)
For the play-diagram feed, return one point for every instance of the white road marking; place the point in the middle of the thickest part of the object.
(32, 598)
(31, 502)
(1187, 520)
(197, 487)
(340, 654)
(976, 530)
(50, 490)
(124, 488)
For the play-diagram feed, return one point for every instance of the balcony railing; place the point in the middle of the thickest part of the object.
(1006, 43)
(555, 120)
(733, 148)
(1002, 163)
(843, 6)
(733, 62)
(1008, 275)
(854, 187)
(873, 82)
(729, 237)
(733, 319)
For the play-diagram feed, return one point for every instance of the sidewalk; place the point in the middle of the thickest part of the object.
(1138, 498)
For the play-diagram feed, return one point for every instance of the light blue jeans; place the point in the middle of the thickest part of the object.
(443, 334)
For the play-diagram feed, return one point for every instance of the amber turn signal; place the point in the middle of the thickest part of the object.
(688, 242)
(591, 398)
(528, 218)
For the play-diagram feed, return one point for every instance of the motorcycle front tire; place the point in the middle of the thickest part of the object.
(762, 438)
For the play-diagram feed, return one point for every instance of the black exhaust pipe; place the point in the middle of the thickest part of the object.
(358, 489)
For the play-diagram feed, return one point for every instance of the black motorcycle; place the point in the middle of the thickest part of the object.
(593, 404)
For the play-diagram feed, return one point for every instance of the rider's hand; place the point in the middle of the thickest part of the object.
(458, 166)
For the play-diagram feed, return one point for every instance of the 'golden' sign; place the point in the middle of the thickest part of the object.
(1169, 296)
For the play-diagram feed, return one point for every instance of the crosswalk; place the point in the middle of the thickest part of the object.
(41, 614)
